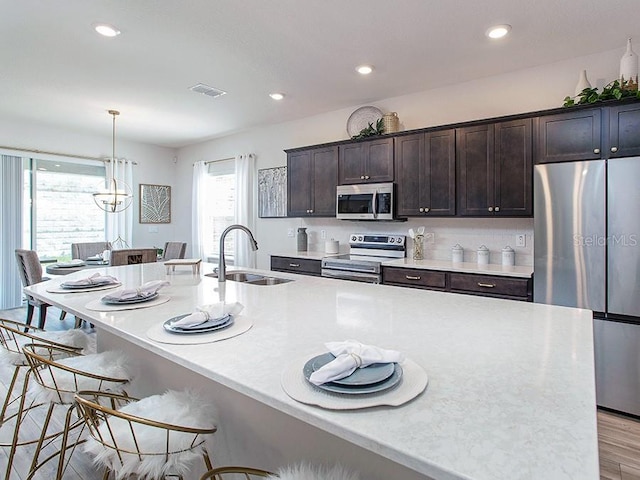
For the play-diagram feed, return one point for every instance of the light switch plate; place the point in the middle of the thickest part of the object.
(521, 240)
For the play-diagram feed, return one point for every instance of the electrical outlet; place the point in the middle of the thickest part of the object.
(291, 232)
(323, 234)
(429, 238)
(521, 240)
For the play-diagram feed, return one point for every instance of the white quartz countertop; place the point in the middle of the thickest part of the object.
(511, 391)
(521, 271)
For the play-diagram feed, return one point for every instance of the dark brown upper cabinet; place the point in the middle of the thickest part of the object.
(494, 169)
(312, 177)
(570, 136)
(426, 174)
(624, 131)
(366, 162)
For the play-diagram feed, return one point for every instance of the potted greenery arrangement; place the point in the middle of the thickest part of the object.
(613, 91)
(370, 130)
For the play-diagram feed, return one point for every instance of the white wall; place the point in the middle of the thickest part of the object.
(155, 166)
(518, 92)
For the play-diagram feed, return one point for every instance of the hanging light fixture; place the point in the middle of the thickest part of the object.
(116, 196)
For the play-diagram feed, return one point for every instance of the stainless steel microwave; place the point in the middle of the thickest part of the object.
(365, 201)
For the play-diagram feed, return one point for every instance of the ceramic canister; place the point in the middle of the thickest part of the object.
(331, 246)
(457, 254)
(508, 256)
(483, 255)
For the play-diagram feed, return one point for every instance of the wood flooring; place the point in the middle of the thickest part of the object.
(618, 435)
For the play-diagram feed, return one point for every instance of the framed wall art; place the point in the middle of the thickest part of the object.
(155, 203)
(272, 192)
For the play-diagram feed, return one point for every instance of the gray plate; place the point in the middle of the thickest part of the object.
(210, 326)
(381, 386)
(111, 300)
(374, 373)
(90, 285)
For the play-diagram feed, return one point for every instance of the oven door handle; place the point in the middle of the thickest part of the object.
(357, 276)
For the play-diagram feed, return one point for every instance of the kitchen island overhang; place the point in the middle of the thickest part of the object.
(511, 385)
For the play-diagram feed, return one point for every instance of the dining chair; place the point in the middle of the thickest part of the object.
(155, 437)
(131, 256)
(30, 271)
(53, 377)
(246, 473)
(174, 250)
(85, 250)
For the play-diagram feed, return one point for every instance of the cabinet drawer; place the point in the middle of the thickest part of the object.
(296, 265)
(414, 277)
(490, 285)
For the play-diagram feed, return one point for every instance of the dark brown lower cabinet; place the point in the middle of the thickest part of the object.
(305, 266)
(513, 288)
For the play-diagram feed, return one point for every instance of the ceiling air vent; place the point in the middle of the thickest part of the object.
(207, 90)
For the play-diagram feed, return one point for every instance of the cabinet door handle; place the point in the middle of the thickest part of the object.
(421, 210)
(411, 277)
(426, 209)
(361, 177)
(491, 209)
(294, 265)
(497, 209)
(311, 211)
(614, 149)
(366, 177)
(596, 150)
(486, 285)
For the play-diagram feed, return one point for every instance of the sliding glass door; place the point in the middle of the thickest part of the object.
(59, 207)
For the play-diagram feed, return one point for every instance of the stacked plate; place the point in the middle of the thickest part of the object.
(70, 264)
(115, 300)
(374, 378)
(172, 325)
(95, 284)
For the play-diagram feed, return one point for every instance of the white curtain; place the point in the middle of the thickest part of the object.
(245, 208)
(197, 209)
(11, 181)
(119, 225)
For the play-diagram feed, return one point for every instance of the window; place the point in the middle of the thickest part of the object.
(220, 203)
(59, 207)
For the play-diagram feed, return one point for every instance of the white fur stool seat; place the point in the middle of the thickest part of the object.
(149, 438)
(301, 471)
(55, 374)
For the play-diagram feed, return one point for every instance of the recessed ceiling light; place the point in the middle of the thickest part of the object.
(498, 31)
(106, 30)
(277, 96)
(364, 69)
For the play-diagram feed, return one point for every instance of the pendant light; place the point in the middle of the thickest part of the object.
(116, 196)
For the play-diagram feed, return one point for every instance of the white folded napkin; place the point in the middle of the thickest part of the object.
(76, 262)
(206, 313)
(143, 291)
(351, 355)
(94, 279)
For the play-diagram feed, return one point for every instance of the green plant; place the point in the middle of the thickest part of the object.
(612, 91)
(370, 130)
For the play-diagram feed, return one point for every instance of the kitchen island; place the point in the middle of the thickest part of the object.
(511, 390)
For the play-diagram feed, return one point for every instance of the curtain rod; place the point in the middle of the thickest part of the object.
(219, 160)
(70, 155)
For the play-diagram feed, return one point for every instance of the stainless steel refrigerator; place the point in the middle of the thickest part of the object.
(587, 255)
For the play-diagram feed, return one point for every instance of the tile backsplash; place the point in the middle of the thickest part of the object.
(470, 233)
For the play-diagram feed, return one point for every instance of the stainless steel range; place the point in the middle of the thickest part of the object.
(363, 263)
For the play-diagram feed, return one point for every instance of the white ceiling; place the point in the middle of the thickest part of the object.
(56, 70)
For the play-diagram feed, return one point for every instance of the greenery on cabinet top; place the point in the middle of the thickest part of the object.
(539, 113)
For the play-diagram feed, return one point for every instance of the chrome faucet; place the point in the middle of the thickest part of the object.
(222, 269)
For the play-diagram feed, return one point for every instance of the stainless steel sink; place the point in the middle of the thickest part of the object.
(252, 278)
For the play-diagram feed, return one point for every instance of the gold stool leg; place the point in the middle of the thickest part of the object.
(7, 400)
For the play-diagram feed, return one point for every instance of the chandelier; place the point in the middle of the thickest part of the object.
(116, 196)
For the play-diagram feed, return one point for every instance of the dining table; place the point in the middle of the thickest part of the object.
(73, 266)
(489, 389)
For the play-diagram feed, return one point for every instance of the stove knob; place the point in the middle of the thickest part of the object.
(392, 240)
(399, 239)
(360, 238)
(353, 238)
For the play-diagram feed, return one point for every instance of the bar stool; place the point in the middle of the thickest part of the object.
(153, 437)
(57, 374)
(221, 473)
(12, 339)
